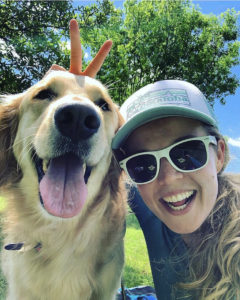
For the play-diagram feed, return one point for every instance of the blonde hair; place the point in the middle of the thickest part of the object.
(214, 262)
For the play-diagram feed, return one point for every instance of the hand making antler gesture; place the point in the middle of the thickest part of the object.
(76, 54)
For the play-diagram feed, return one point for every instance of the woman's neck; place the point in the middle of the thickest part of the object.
(192, 239)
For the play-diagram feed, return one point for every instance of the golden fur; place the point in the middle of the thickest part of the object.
(81, 255)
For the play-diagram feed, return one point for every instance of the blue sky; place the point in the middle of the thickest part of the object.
(228, 115)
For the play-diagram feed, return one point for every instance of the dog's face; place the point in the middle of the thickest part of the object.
(61, 139)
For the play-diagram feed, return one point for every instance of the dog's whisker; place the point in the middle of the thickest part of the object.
(110, 83)
(25, 151)
(23, 139)
(34, 155)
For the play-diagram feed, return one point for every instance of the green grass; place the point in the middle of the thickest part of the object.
(2, 280)
(137, 268)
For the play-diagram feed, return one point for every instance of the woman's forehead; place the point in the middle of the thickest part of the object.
(161, 133)
(170, 122)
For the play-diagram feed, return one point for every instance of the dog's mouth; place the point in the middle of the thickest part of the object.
(62, 184)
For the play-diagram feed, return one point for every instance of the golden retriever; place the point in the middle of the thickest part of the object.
(65, 218)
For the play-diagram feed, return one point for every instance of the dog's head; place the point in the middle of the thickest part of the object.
(55, 138)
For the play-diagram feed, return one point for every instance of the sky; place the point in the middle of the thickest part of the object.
(228, 115)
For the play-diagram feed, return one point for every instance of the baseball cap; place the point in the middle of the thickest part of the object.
(163, 99)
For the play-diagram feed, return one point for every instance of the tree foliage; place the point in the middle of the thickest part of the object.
(35, 34)
(153, 40)
(167, 39)
(30, 35)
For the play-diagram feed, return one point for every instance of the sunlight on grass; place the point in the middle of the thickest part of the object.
(137, 268)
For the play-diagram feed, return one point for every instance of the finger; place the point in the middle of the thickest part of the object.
(76, 49)
(98, 60)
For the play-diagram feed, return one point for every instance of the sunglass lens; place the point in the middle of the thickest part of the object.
(142, 168)
(190, 155)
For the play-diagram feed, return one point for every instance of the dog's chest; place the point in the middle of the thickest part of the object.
(62, 275)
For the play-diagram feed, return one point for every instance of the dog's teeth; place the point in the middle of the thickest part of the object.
(45, 165)
(84, 168)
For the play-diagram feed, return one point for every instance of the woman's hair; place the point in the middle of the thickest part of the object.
(214, 260)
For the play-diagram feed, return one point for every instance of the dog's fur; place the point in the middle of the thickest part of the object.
(80, 246)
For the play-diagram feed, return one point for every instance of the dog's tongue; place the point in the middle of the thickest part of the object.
(63, 189)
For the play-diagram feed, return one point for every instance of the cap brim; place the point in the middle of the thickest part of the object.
(158, 113)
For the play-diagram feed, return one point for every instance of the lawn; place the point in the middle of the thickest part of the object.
(137, 269)
(2, 281)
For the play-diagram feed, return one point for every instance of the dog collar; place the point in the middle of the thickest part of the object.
(22, 248)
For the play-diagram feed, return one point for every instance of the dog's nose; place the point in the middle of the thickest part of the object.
(77, 121)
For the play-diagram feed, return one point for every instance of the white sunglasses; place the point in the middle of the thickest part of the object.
(187, 155)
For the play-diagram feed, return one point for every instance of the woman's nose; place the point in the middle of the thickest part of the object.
(167, 173)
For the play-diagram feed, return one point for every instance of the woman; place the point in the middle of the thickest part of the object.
(188, 209)
(171, 149)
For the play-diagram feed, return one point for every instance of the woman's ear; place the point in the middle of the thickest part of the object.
(220, 155)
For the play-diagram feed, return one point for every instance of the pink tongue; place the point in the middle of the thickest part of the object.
(179, 203)
(63, 188)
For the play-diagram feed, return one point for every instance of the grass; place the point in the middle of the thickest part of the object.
(137, 268)
(2, 280)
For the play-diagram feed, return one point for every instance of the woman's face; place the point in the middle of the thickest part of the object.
(193, 194)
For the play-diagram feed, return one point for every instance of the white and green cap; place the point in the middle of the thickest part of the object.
(163, 99)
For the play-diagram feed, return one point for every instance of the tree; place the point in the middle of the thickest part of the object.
(30, 36)
(168, 39)
(153, 40)
(35, 34)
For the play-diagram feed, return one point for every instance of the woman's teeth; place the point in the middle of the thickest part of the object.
(178, 197)
(179, 201)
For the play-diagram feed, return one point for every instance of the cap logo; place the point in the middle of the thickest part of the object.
(158, 98)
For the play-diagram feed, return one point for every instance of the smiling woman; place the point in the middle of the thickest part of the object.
(189, 211)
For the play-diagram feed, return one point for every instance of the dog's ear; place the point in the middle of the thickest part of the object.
(9, 116)
(121, 120)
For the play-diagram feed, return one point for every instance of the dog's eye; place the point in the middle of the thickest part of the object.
(46, 94)
(102, 104)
